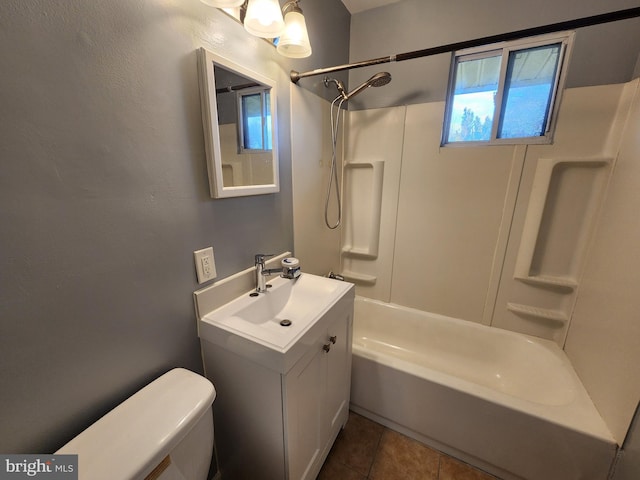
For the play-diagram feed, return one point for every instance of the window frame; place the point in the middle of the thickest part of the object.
(264, 104)
(504, 49)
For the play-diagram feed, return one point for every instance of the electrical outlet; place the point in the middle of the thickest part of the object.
(205, 264)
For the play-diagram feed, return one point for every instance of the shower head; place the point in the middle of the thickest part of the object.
(378, 80)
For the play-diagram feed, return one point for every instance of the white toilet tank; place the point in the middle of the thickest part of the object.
(164, 431)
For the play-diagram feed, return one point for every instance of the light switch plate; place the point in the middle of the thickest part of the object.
(205, 264)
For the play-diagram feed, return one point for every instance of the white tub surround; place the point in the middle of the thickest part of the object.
(505, 402)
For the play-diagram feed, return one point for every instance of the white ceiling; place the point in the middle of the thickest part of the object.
(356, 6)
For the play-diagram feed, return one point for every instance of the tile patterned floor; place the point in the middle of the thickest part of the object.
(365, 450)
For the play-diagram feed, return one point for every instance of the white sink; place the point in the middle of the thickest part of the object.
(269, 326)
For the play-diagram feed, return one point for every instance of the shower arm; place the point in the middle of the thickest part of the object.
(503, 37)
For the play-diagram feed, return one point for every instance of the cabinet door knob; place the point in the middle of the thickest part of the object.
(333, 339)
(326, 347)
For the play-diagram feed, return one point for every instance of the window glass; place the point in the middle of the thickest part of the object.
(255, 112)
(529, 86)
(506, 93)
(252, 121)
(476, 84)
(267, 121)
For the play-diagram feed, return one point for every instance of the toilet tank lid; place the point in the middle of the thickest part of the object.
(130, 440)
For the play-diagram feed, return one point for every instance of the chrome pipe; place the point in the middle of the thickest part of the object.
(295, 76)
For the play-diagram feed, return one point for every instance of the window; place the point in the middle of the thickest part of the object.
(506, 93)
(254, 133)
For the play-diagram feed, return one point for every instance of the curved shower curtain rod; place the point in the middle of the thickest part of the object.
(452, 47)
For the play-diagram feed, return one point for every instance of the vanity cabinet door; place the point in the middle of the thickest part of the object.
(316, 392)
(304, 394)
(338, 373)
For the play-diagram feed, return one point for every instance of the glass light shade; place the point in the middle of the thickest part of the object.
(264, 18)
(223, 3)
(294, 42)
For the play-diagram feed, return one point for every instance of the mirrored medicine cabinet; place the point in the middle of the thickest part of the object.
(239, 121)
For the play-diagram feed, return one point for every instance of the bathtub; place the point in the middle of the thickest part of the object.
(507, 403)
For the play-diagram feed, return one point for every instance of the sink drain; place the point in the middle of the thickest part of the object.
(285, 322)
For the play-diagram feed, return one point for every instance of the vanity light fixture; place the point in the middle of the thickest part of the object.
(294, 42)
(264, 18)
(223, 3)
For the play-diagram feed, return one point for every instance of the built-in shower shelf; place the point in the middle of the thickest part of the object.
(564, 283)
(564, 199)
(544, 313)
(363, 253)
(363, 184)
(359, 278)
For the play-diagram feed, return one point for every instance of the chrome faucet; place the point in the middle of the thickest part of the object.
(262, 273)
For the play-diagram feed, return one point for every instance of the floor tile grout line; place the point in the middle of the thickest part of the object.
(375, 453)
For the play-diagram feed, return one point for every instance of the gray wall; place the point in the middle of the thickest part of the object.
(602, 54)
(104, 197)
(329, 42)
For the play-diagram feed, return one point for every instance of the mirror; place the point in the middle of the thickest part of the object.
(239, 120)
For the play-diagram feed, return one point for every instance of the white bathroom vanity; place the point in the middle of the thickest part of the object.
(281, 364)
